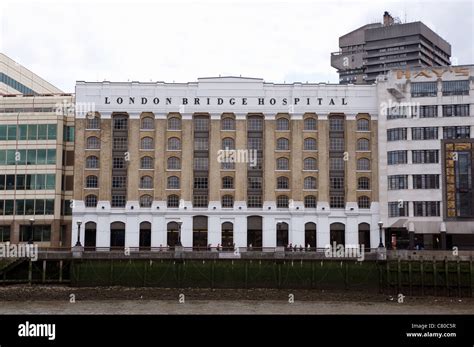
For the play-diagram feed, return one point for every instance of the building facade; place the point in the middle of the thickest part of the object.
(376, 48)
(426, 129)
(226, 161)
(36, 158)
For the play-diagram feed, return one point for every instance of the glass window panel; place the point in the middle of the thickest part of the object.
(20, 182)
(20, 207)
(41, 157)
(22, 132)
(31, 157)
(29, 207)
(40, 181)
(49, 208)
(2, 183)
(3, 157)
(51, 156)
(50, 181)
(11, 132)
(52, 131)
(11, 157)
(21, 157)
(3, 132)
(8, 207)
(39, 207)
(32, 131)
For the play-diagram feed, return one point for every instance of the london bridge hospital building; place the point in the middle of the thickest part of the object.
(238, 162)
(226, 161)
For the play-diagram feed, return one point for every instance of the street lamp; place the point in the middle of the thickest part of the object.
(380, 233)
(179, 234)
(78, 243)
(30, 241)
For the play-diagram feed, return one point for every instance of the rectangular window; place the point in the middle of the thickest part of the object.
(118, 201)
(20, 207)
(3, 132)
(50, 181)
(426, 208)
(9, 207)
(42, 131)
(23, 132)
(51, 156)
(397, 134)
(337, 202)
(336, 144)
(201, 144)
(32, 131)
(52, 131)
(120, 143)
(41, 157)
(255, 183)
(200, 201)
(337, 182)
(396, 182)
(255, 143)
(11, 132)
(118, 163)
(396, 157)
(120, 124)
(20, 182)
(201, 124)
(336, 163)
(49, 206)
(4, 231)
(428, 111)
(29, 207)
(201, 163)
(68, 135)
(39, 207)
(119, 181)
(423, 89)
(200, 183)
(427, 133)
(398, 209)
(255, 124)
(11, 157)
(425, 181)
(455, 88)
(456, 110)
(254, 201)
(428, 156)
(456, 132)
(336, 124)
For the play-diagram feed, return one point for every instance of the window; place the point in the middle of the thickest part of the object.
(255, 124)
(456, 132)
(146, 163)
(118, 163)
(93, 123)
(174, 163)
(398, 209)
(425, 156)
(396, 157)
(146, 182)
(41, 233)
(363, 125)
(174, 144)
(201, 164)
(147, 123)
(254, 182)
(32, 131)
(120, 124)
(397, 134)
(254, 143)
(283, 144)
(283, 124)
(283, 183)
(363, 145)
(118, 201)
(456, 110)
(174, 123)
(428, 111)
(336, 163)
(92, 182)
(91, 201)
(425, 181)
(363, 164)
(396, 182)
(92, 162)
(309, 144)
(200, 183)
(309, 183)
(173, 201)
(363, 202)
(336, 144)
(283, 164)
(4, 232)
(119, 181)
(93, 142)
(426, 208)
(201, 143)
(423, 89)
(336, 124)
(120, 143)
(200, 201)
(336, 202)
(455, 88)
(146, 143)
(228, 143)
(201, 124)
(146, 201)
(228, 124)
(363, 183)
(282, 201)
(254, 201)
(173, 182)
(310, 201)
(227, 201)
(309, 164)
(336, 183)
(310, 124)
(227, 182)
(428, 133)
(225, 165)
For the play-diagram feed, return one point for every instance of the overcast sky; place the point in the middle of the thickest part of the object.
(180, 41)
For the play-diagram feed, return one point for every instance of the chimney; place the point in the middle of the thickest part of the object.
(387, 19)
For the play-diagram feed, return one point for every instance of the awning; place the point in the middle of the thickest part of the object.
(460, 227)
(400, 223)
(427, 227)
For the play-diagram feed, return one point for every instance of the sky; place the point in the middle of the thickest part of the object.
(279, 41)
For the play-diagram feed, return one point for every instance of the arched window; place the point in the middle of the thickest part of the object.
(310, 201)
(283, 124)
(227, 201)
(309, 164)
(310, 183)
(146, 163)
(283, 183)
(174, 123)
(282, 201)
(147, 123)
(146, 201)
(93, 142)
(362, 145)
(228, 143)
(92, 182)
(283, 164)
(91, 200)
(363, 201)
(228, 124)
(363, 125)
(174, 163)
(309, 144)
(173, 201)
(363, 183)
(146, 143)
(227, 182)
(173, 182)
(363, 164)
(93, 123)
(146, 182)
(174, 144)
(283, 144)
(310, 123)
(92, 162)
